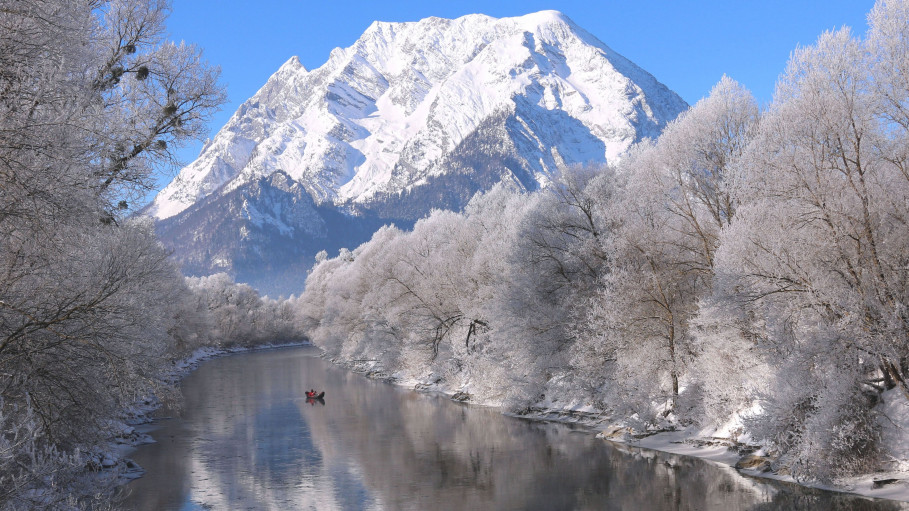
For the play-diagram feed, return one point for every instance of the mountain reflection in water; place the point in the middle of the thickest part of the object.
(247, 438)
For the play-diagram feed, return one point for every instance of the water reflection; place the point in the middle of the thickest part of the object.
(247, 438)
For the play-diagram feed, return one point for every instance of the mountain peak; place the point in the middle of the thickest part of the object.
(292, 64)
(410, 103)
(544, 17)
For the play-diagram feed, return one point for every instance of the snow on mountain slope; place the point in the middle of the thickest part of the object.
(409, 102)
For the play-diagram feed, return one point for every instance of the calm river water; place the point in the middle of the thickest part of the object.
(246, 438)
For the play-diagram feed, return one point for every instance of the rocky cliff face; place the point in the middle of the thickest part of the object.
(413, 116)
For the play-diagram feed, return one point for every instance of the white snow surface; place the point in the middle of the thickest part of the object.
(374, 118)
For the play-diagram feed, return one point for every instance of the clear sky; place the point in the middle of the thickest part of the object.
(686, 44)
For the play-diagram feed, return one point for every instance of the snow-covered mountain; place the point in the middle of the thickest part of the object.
(413, 116)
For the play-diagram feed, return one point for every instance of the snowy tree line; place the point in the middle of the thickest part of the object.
(93, 100)
(751, 262)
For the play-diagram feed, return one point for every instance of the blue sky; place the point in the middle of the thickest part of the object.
(686, 44)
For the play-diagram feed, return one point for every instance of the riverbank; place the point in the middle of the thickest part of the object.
(713, 445)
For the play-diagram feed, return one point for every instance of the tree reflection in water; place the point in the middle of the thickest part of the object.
(247, 437)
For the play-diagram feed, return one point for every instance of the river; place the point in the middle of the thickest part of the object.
(246, 437)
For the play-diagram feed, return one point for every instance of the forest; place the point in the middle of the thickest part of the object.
(93, 314)
(750, 266)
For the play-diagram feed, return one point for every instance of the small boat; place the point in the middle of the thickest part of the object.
(313, 395)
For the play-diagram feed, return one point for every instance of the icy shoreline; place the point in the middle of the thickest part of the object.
(695, 442)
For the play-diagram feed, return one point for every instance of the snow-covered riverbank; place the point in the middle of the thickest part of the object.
(718, 445)
(892, 485)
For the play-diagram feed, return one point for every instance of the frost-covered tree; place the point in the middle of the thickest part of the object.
(422, 302)
(636, 323)
(335, 313)
(554, 262)
(816, 256)
(422, 277)
(92, 102)
(229, 314)
(495, 352)
(668, 213)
